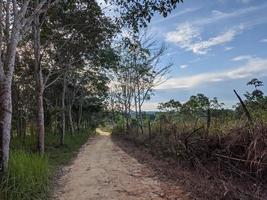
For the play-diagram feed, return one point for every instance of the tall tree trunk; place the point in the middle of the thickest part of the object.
(6, 82)
(63, 130)
(136, 107)
(126, 114)
(80, 114)
(39, 82)
(70, 119)
(136, 113)
(40, 121)
(5, 122)
(140, 109)
(141, 119)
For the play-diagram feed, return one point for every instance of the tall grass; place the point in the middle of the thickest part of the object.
(30, 175)
(62, 155)
(27, 177)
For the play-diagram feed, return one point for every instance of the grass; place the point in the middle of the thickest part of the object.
(62, 155)
(30, 176)
(27, 177)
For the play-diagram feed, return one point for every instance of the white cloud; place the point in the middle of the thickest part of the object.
(185, 11)
(203, 46)
(242, 58)
(184, 35)
(228, 48)
(183, 66)
(264, 40)
(253, 67)
(188, 37)
(149, 106)
(219, 15)
(216, 12)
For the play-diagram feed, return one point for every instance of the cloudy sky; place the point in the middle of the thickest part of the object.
(215, 47)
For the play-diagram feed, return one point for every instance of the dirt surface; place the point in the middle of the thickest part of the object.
(102, 170)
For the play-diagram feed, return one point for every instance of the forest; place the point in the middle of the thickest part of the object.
(71, 68)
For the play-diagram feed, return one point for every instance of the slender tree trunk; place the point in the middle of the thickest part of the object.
(126, 113)
(80, 114)
(5, 122)
(40, 121)
(141, 120)
(136, 114)
(39, 83)
(5, 85)
(136, 107)
(70, 119)
(140, 109)
(63, 130)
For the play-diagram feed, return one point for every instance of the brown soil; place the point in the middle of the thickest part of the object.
(102, 170)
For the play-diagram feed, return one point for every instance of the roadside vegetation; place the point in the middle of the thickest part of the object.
(227, 145)
(32, 176)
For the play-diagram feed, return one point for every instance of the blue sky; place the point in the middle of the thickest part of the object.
(215, 46)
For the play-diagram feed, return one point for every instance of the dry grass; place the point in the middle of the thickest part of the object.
(236, 157)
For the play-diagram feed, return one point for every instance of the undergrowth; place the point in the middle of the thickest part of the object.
(27, 177)
(30, 176)
(238, 154)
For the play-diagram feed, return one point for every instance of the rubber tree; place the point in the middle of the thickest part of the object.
(17, 18)
(86, 33)
(39, 80)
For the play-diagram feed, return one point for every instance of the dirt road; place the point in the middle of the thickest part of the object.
(103, 171)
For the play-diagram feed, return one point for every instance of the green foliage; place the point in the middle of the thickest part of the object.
(137, 14)
(171, 105)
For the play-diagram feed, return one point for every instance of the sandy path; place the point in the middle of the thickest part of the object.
(102, 171)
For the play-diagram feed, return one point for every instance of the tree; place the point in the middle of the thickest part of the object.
(17, 18)
(256, 94)
(255, 102)
(170, 106)
(84, 32)
(138, 73)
